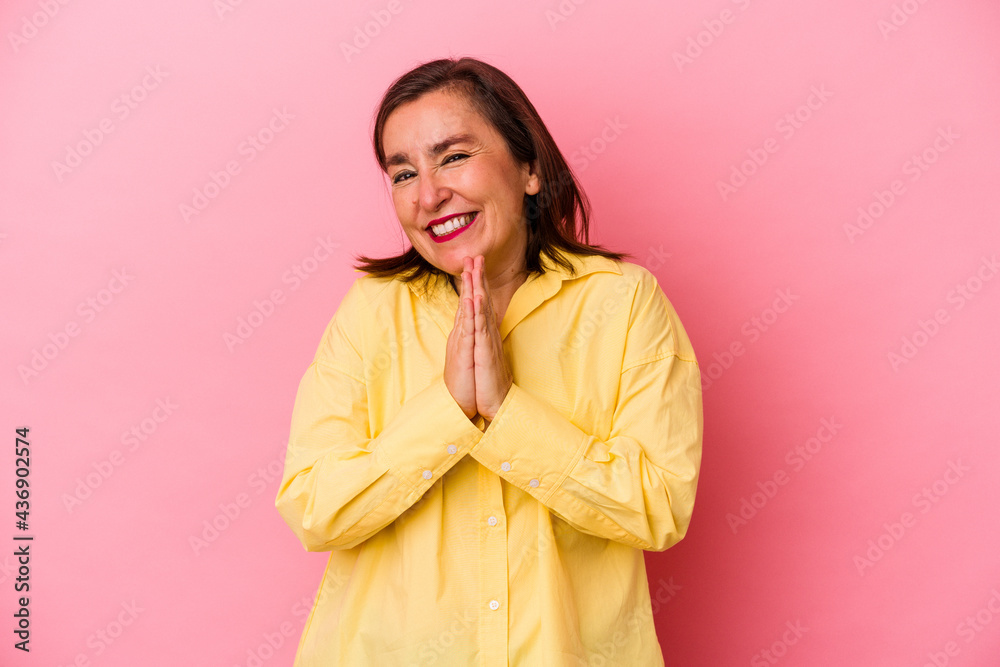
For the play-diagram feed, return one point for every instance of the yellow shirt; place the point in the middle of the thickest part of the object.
(518, 545)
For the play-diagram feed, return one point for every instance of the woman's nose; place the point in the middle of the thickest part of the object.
(432, 192)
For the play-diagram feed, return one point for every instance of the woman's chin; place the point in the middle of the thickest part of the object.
(453, 261)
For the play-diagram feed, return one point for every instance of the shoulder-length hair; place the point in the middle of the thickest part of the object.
(558, 217)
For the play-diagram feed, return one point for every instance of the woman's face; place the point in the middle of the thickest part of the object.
(447, 163)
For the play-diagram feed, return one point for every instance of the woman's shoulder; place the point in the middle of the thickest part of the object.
(369, 290)
(613, 272)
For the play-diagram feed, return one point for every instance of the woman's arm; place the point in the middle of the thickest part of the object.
(340, 485)
(638, 486)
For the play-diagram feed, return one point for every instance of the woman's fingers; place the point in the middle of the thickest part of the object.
(493, 375)
(459, 371)
(467, 299)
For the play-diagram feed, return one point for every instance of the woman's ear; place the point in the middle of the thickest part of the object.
(534, 184)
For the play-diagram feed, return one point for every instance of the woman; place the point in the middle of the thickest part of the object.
(497, 422)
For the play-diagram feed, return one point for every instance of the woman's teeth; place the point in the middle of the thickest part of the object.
(452, 224)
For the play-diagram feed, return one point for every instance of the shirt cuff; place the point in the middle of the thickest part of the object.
(530, 444)
(428, 435)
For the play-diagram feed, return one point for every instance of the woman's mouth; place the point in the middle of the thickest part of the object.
(451, 228)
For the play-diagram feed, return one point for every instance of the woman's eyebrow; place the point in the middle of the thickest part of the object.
(436, 149)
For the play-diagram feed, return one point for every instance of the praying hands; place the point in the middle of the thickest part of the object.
(476, 370)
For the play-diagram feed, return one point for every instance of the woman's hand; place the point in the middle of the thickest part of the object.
(459, 360)
(493, 376)
(476, 371)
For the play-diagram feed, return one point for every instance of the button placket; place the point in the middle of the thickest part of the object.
(494, 566)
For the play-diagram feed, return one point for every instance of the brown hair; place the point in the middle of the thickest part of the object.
(558, 216)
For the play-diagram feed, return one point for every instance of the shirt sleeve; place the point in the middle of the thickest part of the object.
(341, 483)
(638, 486)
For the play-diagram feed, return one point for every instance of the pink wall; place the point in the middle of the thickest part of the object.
(847, 511)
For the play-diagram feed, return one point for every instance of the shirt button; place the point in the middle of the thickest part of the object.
(494, 605)
(505, 466)
(533, 483)
(492, 521)
(452, 449)
(428, 474)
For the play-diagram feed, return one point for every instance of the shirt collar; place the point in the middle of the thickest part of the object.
(436, 292)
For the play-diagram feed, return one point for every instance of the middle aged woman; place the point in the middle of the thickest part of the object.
(498, 421)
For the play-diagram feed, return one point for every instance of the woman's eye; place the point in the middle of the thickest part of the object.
(404, 176)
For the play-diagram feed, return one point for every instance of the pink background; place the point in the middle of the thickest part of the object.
(880, 548)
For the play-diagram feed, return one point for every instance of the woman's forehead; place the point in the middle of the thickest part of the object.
(433, 120)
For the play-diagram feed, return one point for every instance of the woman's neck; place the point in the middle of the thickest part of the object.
(502, 289)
